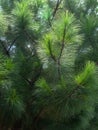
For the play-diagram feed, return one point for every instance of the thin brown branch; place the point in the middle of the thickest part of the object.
(56, 8)
(29, 82)
(59, 69)
(61, 52)
(30, 37)
(4, 48)
(34, 79)
(63, 42)
(31, 40)
(13, 42)
(36, 76)
(51, 53)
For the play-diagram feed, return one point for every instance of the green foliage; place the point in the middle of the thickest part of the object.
(65, 31)
(11, 107)
(7, 5)
(48, 65)
(68, 24)
(23, 16)
(71, 102)
(5, 67)
(85, 76)
(3, 24)
(43, 84)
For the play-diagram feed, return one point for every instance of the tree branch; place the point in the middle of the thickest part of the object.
(36, 76)
(51, 54)
(33, 80)
(61, 51)
(56, 8)
(62, 46)
(13, 42)
(5, 48)
(30, 38)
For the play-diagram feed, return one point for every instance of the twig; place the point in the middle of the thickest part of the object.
(52, 56)
(61, 51)
(62, 48)
(36, 76)
(30, 38)
(5, 49)
(56, 8)
(33, 80)
(13, 42)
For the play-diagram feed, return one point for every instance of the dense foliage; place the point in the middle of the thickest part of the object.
(48, 64)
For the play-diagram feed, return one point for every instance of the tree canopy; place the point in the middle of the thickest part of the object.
(48, 64)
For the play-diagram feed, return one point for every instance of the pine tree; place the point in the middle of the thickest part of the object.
(48, 64)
